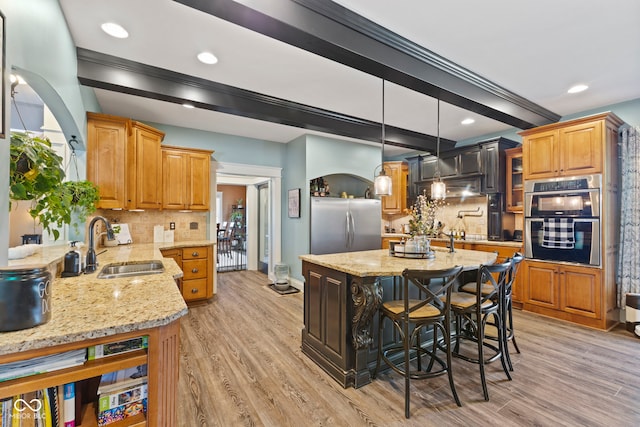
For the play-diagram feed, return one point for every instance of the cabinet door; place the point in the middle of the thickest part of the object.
(470, 161)
(174, 174)
(148, 169)
(542, 284)
(514, 191)
(413, 177)
(539, 155)
(106, 156)
(491, 169)
(581, 291)
(580, 148)
(198, 181)
(397, 201)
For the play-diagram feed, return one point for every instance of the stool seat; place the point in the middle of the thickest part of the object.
(424, 312)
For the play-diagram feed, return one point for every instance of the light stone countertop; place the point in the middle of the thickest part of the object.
(380, 263)
(506, 243)
(86, 307)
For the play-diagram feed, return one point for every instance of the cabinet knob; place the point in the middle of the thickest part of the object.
(194, 290)
(195, 270)
(195, 254)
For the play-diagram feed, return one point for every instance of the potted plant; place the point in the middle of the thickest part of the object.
(240, 203)
(36, 173)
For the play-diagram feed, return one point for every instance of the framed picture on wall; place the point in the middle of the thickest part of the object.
(294, 203)
(2, 64)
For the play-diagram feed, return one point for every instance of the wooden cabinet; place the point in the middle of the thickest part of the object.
(515, 183)
(186, 178)
(176, 255)
(145, 161)
(564, 149)
(106, 158)
(396, 203)
(196, 263)
(566, 290)
(580, 294)
(124, 161)
(161, 357)
(413, 178)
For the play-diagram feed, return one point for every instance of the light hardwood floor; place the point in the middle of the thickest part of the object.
(241, 365)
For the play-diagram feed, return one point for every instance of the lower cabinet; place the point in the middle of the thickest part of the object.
(564, 291)
(196, 263)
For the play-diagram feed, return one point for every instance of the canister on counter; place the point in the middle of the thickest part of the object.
(25, 297)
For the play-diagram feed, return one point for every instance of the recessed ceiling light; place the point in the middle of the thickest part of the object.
(467, 121)
(114, 30)
(185, 105)
(17, 78)
(207, 58)
(577, 88)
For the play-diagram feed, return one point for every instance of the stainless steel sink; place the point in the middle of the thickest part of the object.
(127, 269)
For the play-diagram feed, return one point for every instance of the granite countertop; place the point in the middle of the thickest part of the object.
(86, 307)
(507, 243)
(380, 263)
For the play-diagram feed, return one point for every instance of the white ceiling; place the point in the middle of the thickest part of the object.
(536, 49)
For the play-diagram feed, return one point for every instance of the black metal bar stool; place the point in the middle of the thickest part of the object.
(426, 302)
(473, 310)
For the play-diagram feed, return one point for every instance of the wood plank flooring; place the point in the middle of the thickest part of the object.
(241, 365)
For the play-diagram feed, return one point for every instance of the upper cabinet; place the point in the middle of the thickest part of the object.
(185, 178)
(396, 203)
(478, 168)
(145, 159)
(124, 161)
(515, 189)
(567, 148)
(132, 170)
(106, 157)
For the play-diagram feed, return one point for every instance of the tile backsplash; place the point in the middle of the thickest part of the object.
(473, 222)
(141, 223)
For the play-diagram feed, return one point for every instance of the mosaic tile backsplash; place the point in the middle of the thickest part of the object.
(141, 223)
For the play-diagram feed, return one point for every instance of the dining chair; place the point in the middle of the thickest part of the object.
(420, 308)
(471, 314)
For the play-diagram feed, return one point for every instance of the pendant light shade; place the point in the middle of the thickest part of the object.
(438, 188)
(382, 184)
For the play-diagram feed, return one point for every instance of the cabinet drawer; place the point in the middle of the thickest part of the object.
(194, 269)
(197, 252)
(194, 289)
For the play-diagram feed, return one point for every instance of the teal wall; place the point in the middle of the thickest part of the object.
(228, 148)
(295, 231)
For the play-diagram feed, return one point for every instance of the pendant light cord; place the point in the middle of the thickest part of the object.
(437, 174)
(383, 130)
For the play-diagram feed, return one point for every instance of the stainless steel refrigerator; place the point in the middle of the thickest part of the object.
(344, 225)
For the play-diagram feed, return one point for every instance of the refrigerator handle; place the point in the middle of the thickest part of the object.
(353, 230)
(348, 230)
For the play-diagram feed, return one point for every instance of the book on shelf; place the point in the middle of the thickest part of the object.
(118, 380)
(121, 412)
(121, 397)
(42, 364)
(118, 347)
(39, 408)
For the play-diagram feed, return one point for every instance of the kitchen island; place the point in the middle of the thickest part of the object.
(342, 292)
(87, 311)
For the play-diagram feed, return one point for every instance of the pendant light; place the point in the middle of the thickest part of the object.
(438, 188)
(382, 183)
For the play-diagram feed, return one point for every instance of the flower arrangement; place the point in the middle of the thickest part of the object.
(423, 216)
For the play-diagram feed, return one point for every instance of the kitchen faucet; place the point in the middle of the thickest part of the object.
(91, 262)
(451, 240)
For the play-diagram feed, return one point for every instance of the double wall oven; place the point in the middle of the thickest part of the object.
(562, 219)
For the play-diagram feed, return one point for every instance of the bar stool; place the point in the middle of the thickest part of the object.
(420, 307)
(506, 309)
(509, 331)
(473, 310)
